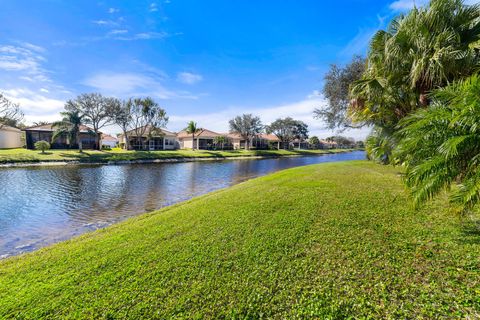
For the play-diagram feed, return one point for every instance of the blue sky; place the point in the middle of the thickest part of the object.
(202, 60)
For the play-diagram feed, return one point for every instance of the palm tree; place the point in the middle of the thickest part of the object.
(220, 141)
(193, 130)
(423, 50)
(440, 145)
(69, 126)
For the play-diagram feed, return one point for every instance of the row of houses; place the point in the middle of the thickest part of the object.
(161, 139)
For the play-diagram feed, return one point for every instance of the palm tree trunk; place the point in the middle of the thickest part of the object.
(193, 141)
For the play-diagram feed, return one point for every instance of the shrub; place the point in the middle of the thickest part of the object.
(42, 145)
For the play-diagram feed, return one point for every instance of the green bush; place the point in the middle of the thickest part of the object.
(42, 145)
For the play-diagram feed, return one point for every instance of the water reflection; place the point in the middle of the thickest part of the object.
(39, 206)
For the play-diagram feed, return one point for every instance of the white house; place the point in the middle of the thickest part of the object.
(10, 137)
(158, 139)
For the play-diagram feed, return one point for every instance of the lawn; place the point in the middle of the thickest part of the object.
(328, 241)
(31, 156)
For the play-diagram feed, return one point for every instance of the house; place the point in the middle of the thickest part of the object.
(260, 141)
(10, 137)
(109, 141)
(203, 139)
(327, 144)
(151, 139)
(45, 133)
(300, 144)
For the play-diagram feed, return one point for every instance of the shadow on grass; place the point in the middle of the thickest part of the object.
(470, 231)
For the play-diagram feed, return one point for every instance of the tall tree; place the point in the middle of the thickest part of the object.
(192, 129)
(288, 129)
(70, 127)
(247, 126)
(147, 117)
(123, 118)
(96, 110)
(425, 49)
(10, 113)
(336, 91)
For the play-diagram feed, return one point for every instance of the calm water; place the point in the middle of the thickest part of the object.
(39, 206)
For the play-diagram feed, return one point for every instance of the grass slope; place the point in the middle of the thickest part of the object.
(328, 241)
(31, 156)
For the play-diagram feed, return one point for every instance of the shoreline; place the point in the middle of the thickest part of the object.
(54, 163)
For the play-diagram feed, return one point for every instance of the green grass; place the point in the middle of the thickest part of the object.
(31, 156)
(327, 241)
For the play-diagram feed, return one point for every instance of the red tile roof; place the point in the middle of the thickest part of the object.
(202, 133)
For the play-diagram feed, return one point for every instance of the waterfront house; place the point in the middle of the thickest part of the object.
(203, 139)
(10, 137)
(45, 133)
(151, 139)
(109, 141)
(327, 144)
(260, 141)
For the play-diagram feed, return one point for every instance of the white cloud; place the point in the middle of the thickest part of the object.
(36, 106)
(24, 62)
(141, 36)
(118, 31)
(300, 110)
(113, 10)
(133, 84)
(189, 78)
(153, 7)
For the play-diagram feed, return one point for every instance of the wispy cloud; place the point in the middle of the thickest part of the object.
(301, 110)
(153, 7)
(25, 60)
(189, 78)
(113, 10)
(133, 84)
(110, 23)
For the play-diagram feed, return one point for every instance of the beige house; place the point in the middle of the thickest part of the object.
(158, 139)
(203, 139)
(261, 141)
(10, 137)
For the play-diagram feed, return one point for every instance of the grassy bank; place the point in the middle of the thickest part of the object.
(328, 241)
(32, 156)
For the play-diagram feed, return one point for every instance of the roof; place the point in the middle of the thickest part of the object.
(107, 137)
(202, 133)
(8, 128)
(48, 128)
(268, 137)
(164, 132)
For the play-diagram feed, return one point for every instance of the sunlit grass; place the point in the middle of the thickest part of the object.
(325, 241)
(117, 154)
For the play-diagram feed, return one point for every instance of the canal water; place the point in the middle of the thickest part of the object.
(43, 205)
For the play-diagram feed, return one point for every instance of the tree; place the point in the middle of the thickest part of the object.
(247, 126)
(336, 90)
(193, 130)
(95, 109)
(440, 145)
(288, 129)
(423, 50)
(123, 118)
(341, 141)
(147, 117)
(69, 126)
(221, 141)
(42, 145)
(314, 142)
(10, 113)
